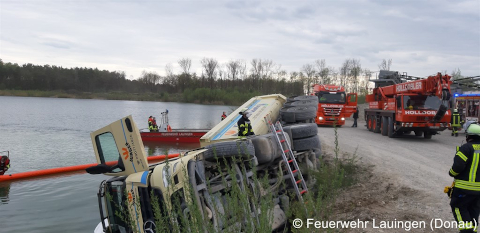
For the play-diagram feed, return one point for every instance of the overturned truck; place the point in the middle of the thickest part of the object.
(229, 184)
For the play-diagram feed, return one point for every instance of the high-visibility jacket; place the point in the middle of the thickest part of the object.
(455, 120)
(465, 167)
(244, 127)
(4, 164)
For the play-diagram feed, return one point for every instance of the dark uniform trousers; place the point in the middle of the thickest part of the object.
(466, 209)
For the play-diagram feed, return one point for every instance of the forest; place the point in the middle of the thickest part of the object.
(231, 83)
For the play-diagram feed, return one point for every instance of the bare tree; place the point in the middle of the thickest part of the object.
(366, 82)
(385, 64)
(233, 69)
(323, 72)
(344, 72)
(185, 64)
(355, 72)
(210, 66)
(257, 68)
(309, 72)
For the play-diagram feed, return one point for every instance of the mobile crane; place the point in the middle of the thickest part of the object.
(401, 104)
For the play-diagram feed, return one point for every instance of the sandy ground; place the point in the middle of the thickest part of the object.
(404, 178)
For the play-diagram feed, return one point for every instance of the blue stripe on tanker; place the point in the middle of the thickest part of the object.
(232, 123)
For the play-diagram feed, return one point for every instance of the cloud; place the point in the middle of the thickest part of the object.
(421, 37)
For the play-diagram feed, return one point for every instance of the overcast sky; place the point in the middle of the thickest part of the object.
(421, 37)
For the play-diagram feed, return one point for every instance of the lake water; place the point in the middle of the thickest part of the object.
(43, 133)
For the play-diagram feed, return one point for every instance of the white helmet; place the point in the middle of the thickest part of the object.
(243, 111)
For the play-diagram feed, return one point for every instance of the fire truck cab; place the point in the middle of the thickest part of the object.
(334, 105)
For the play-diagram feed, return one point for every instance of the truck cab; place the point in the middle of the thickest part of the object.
(334, 105)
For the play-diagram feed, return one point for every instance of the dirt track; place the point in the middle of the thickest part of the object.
(407, 177)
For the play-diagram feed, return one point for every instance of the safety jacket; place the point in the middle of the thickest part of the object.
(465, 167)
(4, 164)
(244, 127)
(455, 120)
(224, 116)
(150, 124)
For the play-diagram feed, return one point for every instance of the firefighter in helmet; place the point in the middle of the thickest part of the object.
(465, 195)
(456, 124)
(244, 125)
(4, 164)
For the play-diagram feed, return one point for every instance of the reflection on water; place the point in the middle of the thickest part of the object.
(4, 193)
(165, 148)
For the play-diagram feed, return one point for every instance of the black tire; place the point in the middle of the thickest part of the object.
(304, 144)
(306, 97)
(390, 127)
(311, 103)
(427, 135)
(266, 147)
(238, 149)
(291, 99)
(294, 114)
(384, 126)
(418, 133)
(304, 130)
(376, 125)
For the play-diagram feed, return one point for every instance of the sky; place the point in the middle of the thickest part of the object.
(422, 37)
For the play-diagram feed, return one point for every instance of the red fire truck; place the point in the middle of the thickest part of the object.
(333, 104)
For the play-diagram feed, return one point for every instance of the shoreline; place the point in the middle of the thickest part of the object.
(160, 97)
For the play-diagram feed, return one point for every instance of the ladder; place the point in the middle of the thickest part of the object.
(289, 158)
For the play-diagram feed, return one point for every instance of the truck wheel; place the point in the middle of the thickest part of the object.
(418, 133)
(303, 144)
(301, 130)
(239, 148)
(427, 135)
(376, 125)
(312, 103)
(390, 127)
(300, 113)
(306, 97)
(384, 126)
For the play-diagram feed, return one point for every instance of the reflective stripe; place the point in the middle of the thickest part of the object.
(474, 167)
(453, 172)
(459, 216)
(462, 156)
(467, 185)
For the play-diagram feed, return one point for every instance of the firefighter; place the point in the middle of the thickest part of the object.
(465, 196)
(355, 117)
(150, 124)
(224, 116)
(244, 125)
(4, 164)
(154, 125)
(456, 124)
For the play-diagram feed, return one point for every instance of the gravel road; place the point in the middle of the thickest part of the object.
(408, 163)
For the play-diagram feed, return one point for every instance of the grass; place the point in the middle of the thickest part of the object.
(235, 204)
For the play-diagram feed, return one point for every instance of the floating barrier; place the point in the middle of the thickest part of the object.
(59, 170)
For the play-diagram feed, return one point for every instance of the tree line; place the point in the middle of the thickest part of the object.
(232, 82)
